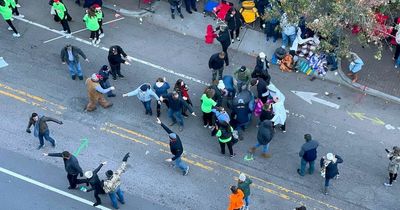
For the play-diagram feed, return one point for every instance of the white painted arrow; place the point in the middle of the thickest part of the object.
(309, 97)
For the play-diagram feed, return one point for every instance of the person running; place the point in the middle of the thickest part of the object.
(183, 90)
(161, 88)
(176, 148)
(41, 129)
(207, 104)
(96, 185)
(92, 24)
(244, 185)
(70, 56)
(216, 65)
(115, 54)
(100, 17)
(308, 154)
(176, 104)
(144, 94)
(72, 168)
(6, 13)
(394, 165)
(112, 184)
(264, 137)
(95, 93)
(104, 72)
(61, 14)
(225, 134)
(236, 199)
(329, 168)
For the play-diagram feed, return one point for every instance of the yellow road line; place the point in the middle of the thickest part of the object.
(122, 135)
(195, 163)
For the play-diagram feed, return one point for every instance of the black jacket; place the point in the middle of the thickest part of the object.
(218, 95)
(71, 165)
(174, 145)
(116, 59)
(75, 53)
(43, 127)
(224, 38)
(216, 62)
(234, 21)
(265, 132)
(260, 71)
(332, 169)
(94, 181)
(262, 90)
(105, 75)
(177, 104)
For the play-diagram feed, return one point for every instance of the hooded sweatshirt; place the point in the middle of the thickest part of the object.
(265, 132)
(144, 95)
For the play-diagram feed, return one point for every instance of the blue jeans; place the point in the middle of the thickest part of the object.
(46, 135)
(265, 147)
(398, 61)
(147, 106)
(327, 182)
(74, 68)
(113, 196)
(176, 116)
(247, 200)
(180, 164)
(303, 164)
(285, 39)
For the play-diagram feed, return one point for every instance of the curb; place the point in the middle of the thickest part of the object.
(131, 13)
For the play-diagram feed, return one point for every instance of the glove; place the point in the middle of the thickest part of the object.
(28, 131)
(126, 157)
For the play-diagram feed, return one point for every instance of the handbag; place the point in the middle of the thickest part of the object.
(323, 169)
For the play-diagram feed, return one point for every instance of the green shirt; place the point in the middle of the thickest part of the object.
(92, 23)
(245, 186)
(99, 15)
(219, 134)
(11, 2)
(6, 11)
(207, 104)
(60, 9)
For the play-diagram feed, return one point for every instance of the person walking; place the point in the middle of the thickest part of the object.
(104, 72)
(144, 94)
(70, 56)
(182, 88)
(264, 137)
(236, 199)
(6, 13)
(242, 78)
(115, 54)
(112, 184)
(279, 110)
(61, 15)
(190, 4)
(261, 68)
(92, 24)
(329, 168)
(244, 185)
(175, 4)
(216, 65)
(356, 65)
(72, 167)
(234, 21)
(41, 129)
(176, 148)
(224, 38)
(95, 93)
(308, 154)
(225, 134)
(100, 17)
(207, 104)
(161, 88)
(176, 104)
(96, 185)
(394, 165)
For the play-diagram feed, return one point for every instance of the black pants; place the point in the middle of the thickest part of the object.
(12, 26)
(234, 32)
(184, 109)
(392, 177)
(115, 70)
(73, 180)
(283, 127)
(94, 35)
(178, 7)
(229, 144)
(207, 118)
(225, 49)
(159, 107)
(397, 52)
(15, 11)
(65, 25)
(97, 192)
(190, 4)
(101, 26)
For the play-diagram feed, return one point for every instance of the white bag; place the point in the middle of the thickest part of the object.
(52, 11)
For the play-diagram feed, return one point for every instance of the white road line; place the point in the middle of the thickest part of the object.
(83, 29)
(106, 49)
(69, 195)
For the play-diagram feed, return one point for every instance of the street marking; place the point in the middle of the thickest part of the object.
(309, 97)
(123, 136)
(351, 132)
(3, 63)
(53, 189)
(83, 29)
(390, 127)
(362, 116)
(248, 157)
(84, 144)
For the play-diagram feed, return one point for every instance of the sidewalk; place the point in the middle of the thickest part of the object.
(385, 84)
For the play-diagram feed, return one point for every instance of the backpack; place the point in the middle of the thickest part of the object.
(226, 133)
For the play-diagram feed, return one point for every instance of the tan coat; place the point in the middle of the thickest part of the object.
(95, 96)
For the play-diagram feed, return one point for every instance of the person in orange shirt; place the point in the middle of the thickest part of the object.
(236, 199)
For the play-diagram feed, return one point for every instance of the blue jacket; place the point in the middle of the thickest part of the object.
(143, 95)
(309, 150)
(161, 90)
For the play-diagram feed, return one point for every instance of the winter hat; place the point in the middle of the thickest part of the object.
(96, 6)
(243, 68)
(172, 136)
(94, 77)
(330, 156)
(307, 137)
(56, 1)
(144, 87)
(242, 177)
(262, 55)
(89, 174)
(109, 173)
(221, 85)
(104, 67)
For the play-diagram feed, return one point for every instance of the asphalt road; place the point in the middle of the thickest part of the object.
(36, 81)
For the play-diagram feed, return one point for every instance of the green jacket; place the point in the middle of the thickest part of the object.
(6, 11)
(60, 10)
(245, 186)
(243, 76)
(92, 23)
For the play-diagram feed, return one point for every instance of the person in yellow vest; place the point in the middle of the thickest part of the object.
(92, 24)
(6, 13)
(61, 13)
(95, 93)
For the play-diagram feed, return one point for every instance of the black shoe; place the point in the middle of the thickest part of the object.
(195, 10)
(190, 12)
(71, 188)
(80, 77)
(97, 203)
(73, 77)
(298, 171)
(112, 95)
(147, 113)
(121, 76)
(151, 113)
(180, 15)
(173, 123)
(114, 78)
(39, 147)
(173, 16)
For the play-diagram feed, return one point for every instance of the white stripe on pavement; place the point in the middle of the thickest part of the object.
(69, 195)
(106, 49)
(83, 29)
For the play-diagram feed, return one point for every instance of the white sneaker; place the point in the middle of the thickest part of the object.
(68, 36)
(98, 42)
(9, 28)
(237, 38)
(232, 41)
(21, 16)
(387, 184)
(18, 5)
(101, 35)
(16, 35)
(93, 42)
